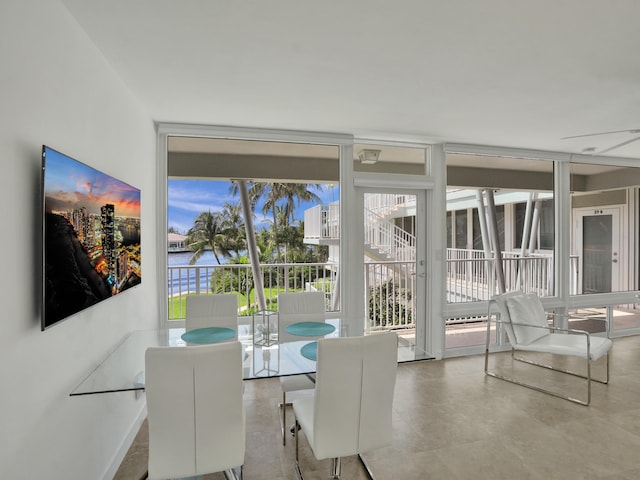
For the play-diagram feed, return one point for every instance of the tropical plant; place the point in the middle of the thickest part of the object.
(233, 227)
(231, 279)
(281, 200)
(388, 304)
(208, 233)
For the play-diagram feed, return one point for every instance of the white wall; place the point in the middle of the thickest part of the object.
(57, 89)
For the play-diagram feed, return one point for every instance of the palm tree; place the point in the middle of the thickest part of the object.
(294, 193)
(233, 227)
(208, 232)
(273, 193)
(285, 196)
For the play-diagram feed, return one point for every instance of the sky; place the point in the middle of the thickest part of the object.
(188, 198)
(70, 184)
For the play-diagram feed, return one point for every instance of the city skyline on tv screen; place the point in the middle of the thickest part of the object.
(91, 236)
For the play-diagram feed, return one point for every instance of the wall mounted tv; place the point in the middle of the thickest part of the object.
(91, 236)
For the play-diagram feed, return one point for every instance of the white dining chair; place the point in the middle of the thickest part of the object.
(350, 412)
(195, 410)
(296, 307)
(216, 310)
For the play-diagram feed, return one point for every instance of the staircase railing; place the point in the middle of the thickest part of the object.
(388, 239)
(385, 203)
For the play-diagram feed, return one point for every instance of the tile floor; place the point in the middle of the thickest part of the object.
(452, 422)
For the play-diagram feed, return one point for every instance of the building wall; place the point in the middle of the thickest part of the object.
(57, 89)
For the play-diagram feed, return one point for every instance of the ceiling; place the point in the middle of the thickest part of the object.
(520, 74)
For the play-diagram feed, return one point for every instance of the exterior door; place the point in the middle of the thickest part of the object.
(599, 250)
(394, 263)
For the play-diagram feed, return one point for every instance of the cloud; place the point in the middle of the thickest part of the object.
(193, 205)
(198, 195)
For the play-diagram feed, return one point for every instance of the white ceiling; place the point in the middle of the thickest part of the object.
(490, 72)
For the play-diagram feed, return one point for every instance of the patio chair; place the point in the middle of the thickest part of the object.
(523, 318)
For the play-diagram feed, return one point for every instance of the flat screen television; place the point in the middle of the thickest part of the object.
(91, 236)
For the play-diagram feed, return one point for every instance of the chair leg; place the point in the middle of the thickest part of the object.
(297, 462)
(336, 463)
(283, 414)
(366, 466)
(231, 474)
(336, 468)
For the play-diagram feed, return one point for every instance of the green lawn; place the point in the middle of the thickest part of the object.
(177, 305)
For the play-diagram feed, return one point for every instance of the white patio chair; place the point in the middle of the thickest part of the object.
(525, 322)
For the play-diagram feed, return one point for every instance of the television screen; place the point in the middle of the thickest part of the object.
(91, 245)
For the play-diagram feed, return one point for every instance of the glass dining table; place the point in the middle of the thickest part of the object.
(123, 369)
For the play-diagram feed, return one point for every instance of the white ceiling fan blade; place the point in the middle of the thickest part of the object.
(633, 130)
(619, 145)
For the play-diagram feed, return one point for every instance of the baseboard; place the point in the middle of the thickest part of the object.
(126, 443)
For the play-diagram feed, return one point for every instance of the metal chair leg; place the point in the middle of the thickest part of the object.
(283, 413)
(336, 468)
(586, 377)
(231, 474)
(297, 462)
(366, 466)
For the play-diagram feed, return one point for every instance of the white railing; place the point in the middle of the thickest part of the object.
(238, 278)
(322, 222)
(384, 203)
(389, 286)
(471, 277)
(389, 239)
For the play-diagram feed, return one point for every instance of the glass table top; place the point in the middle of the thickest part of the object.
(123, 369)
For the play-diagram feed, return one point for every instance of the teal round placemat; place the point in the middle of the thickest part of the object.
(310, 351)
(310, 329)
(208, 335)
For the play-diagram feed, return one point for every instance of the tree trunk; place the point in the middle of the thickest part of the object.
(251, 244)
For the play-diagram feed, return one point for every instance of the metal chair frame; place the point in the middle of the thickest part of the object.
(588, 377)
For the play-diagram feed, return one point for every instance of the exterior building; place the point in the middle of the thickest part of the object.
(176, 242)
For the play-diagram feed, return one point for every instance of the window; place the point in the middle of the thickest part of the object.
(293, 196)
(500, 222)
(509, 243)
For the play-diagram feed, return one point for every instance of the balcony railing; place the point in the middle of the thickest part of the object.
(389, 290)
(322, 222)
(238, 278)
(471, 276)
(389, 286)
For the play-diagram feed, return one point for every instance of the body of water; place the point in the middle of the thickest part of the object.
(182, 258)
(184, 279)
